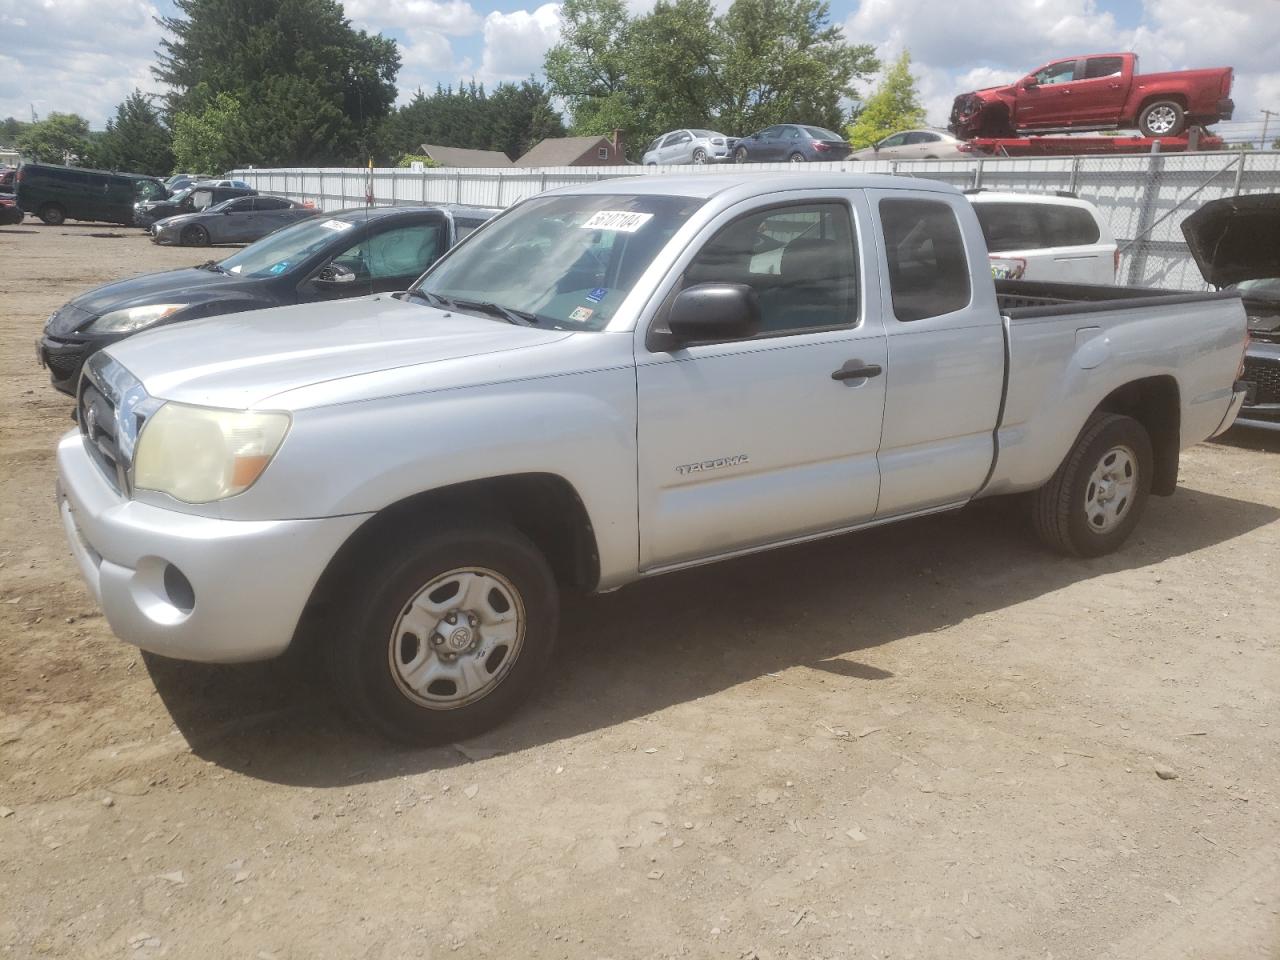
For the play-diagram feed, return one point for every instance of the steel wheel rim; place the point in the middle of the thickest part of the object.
(1161, 120)
(1108, 499)
(457, 638)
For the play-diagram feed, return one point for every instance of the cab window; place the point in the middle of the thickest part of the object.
(928, 269)
(800, 260)
(1063, 72)
(1097, 67)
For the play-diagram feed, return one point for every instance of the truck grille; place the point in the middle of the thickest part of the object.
(1265, 374)
(97, 416)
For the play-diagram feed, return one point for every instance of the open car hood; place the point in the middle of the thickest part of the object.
(1236, 238)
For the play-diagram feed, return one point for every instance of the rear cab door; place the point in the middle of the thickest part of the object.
(1099, 92)
(946, 351)
(749, 442)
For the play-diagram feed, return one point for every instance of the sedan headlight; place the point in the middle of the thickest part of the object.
(199, 454)
(134, 318)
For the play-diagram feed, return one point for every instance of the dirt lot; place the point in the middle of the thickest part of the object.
(932, 740)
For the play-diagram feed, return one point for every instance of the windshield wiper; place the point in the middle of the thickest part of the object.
(519, 317)
(210, 265)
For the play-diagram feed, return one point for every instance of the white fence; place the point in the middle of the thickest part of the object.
(1143, 197)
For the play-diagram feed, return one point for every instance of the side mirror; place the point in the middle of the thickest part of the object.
(714, 311)
(226, 211)
(1028, 83)
(335, 274)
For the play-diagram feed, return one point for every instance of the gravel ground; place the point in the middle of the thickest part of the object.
(929, 740)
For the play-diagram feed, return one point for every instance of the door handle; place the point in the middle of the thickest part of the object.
(856, 370)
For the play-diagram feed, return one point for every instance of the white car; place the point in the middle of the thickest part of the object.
(912, 145)
(687, 146)
(1046, 237)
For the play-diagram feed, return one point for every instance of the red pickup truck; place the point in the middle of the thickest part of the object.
(1096, 92)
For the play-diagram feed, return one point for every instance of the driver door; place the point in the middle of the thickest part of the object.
(386, 258)
(1047, 102)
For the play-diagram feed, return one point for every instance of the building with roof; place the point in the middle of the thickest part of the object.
(576, 152)
(462, 157)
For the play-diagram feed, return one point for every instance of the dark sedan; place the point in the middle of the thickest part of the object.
(1236, 243)
(793, 142)
(346, 254)
(193, 199)
(239, 220)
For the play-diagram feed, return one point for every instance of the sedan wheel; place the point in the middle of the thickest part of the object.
(195, 236)
(699, 156)
(796, 157)
(740, 155)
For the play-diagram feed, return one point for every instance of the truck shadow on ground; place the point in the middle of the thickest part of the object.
(692, 634)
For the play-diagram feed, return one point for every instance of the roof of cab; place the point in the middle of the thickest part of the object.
(706, 186)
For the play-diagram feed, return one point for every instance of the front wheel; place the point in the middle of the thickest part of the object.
(740, 155)
(1095, 499)
(699, 156)
(52, 214)
(195, 236)
(446, 634)
(1163, 118)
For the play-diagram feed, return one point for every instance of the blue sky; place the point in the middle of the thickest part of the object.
(86, 55)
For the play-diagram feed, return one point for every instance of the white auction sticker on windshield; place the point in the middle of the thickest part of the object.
(336, 225)
(624, 221)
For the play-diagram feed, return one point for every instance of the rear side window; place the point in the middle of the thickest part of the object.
(928, 270)
(799, 260)
(269, 203)
(1096, 67)
(1034, 226)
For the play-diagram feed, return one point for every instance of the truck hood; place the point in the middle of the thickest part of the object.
(1236, 238)
(243, 360)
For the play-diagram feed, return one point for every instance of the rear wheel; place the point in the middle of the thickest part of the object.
(1095, 499)
(52, 214)
(195, 236)
(446, 633)
(796, 157)
(1162, 118)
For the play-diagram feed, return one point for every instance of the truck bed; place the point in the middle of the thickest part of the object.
(1026, 299)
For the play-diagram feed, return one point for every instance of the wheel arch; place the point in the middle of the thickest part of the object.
(545, 507)
(1155, 402)
(1149, 98)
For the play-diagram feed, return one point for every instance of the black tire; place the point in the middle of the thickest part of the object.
(796, 157)
(1167, 115)
(699, 156)
(194, 236)
(1060, 509)
(53, 214)
(740, 155)
(360, 651)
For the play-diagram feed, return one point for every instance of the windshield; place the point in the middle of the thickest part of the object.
(284, 249)
(564, 261)
(1265, 289)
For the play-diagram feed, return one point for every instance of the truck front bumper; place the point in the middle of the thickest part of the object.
(190, 587)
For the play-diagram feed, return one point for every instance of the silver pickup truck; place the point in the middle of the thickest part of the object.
(610, 382)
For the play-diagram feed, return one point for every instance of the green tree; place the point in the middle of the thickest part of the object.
(58, 138)
(136, 139)
(10, 129)
(785, 61)
(763, 62)
(894, 106)
(209, 140)
(520, 115)
(311, 89)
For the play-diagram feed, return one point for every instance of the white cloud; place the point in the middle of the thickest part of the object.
(75, 56)
(453, 17)
(516, 43)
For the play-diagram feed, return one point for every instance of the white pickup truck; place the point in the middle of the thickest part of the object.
(610, 382)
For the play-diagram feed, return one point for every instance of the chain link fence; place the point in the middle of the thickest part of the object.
(1144, 198)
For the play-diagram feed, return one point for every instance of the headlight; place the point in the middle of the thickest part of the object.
(199, 454)
(134, 318)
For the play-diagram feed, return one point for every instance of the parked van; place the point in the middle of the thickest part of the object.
(1047, 237)
(56, 193)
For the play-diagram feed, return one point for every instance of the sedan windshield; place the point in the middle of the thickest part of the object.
(284, 249)
(561, 261)
(1266, 289)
